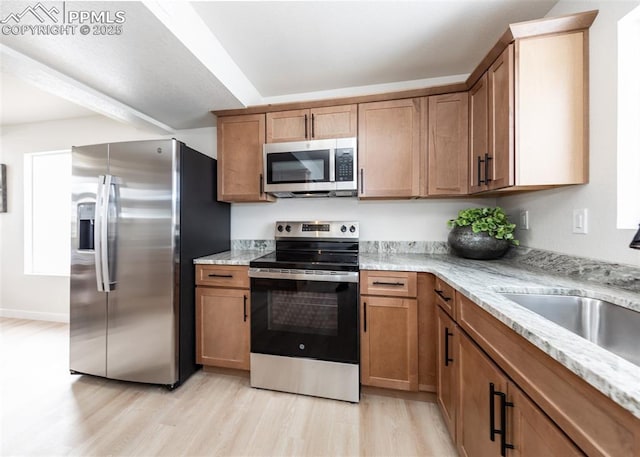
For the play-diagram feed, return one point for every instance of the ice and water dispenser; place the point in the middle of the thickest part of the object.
(86, 221)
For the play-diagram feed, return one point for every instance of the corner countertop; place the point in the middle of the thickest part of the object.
(483, 281)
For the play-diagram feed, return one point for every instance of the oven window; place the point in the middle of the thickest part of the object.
(303, 312)
(298, 167)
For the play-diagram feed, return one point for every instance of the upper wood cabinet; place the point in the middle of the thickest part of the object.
(445, 136)
(240, 141)
(312, 124)
(529, 116)
(389, 149)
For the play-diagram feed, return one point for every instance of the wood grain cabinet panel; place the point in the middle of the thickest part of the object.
(445, 120)
(427, 333)
(523, 134)
(240, 141)
(445, 296)
(389, 149)
(596, 424)
(223, 316)
(447, 368)
(518, 426)
(388, 283)
(222, 327)
(389, 342)
(312, 124)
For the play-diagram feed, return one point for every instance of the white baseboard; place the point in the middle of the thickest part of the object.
(34, 315)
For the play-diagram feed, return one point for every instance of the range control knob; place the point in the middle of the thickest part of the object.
(288, 228)
(352, 229)
(343, 229)
(280, 228)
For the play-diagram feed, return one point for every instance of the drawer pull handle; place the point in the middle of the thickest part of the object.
(215, 275)
(384, 283)
(442, 295)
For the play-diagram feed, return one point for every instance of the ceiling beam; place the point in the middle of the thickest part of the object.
(46, 78)
(186, 24)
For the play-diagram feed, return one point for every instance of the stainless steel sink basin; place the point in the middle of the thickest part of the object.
(610, 326)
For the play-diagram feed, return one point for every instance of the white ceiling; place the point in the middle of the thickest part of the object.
(177, 61)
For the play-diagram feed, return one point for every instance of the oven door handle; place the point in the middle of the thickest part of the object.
(306, 275)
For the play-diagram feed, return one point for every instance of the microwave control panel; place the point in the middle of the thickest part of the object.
(344, 164)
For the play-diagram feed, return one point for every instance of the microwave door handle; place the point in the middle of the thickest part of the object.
(97, 234)
(332, 165)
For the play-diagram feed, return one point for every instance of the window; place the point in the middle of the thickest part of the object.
(629, 120)
(47, 197)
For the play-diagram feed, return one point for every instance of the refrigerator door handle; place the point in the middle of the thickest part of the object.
(104, 238)
(97, 234)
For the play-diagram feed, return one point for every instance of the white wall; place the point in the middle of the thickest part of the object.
(401, 220)
(550, 212)
(47, 297)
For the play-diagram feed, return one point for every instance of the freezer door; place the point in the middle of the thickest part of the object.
(88, 315)
(141, 231)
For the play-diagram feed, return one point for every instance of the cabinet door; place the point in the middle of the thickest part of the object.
(479, 134)
(288, 126)
(448, 144)
(222, 327)
(389, 149)
(334, 122)
(427, 333)
(389, 342)
(477, 376)
(240, 140)
(534, 434)
(446, 368)
(501, 165)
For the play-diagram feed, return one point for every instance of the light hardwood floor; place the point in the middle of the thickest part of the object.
(46, 411)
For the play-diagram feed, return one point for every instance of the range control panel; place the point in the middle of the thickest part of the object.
(318, 229)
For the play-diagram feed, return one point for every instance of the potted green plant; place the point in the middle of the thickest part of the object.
(481, 233)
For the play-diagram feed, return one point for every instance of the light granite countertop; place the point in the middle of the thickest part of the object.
(233, 257)
(482, 282)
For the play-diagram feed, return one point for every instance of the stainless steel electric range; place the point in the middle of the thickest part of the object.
(304, 311)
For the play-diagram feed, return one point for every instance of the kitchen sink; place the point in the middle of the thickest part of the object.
(610, 326)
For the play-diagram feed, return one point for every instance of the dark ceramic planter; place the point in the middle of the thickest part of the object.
(481, 246)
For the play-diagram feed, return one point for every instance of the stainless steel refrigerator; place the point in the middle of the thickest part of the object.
(141, 212)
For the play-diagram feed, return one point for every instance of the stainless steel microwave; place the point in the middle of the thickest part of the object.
(315, 168)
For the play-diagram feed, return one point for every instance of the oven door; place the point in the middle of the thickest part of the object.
(309, 314)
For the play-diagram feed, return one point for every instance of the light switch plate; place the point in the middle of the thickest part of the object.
(580, 221)
(524, 220)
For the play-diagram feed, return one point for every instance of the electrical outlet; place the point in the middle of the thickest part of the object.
(580, 221)
(524, 220)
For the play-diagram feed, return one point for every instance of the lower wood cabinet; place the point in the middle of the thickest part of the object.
(389, 342)
(447, 361)
(508, 423)
(222, 320)
(389, 330)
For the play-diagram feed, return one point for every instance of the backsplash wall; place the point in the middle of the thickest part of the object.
(399, 220)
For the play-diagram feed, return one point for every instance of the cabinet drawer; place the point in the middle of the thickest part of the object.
(389, 283)
(222, 276)
(445, 296)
